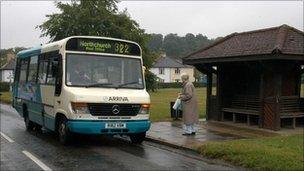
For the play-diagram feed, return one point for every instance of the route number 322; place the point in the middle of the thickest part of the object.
(122, 48)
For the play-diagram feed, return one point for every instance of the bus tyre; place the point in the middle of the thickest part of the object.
(38, 128)
(29, 125)
(137, 138)
(64, 134)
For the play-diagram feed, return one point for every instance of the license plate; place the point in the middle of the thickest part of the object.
(115, 125)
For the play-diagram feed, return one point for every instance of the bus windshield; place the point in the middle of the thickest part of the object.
(103, 71)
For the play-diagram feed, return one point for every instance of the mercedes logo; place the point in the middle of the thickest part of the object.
(115, 109)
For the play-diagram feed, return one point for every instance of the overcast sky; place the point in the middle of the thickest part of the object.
(213, 19)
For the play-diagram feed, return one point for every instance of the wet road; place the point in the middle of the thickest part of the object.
(22, 150)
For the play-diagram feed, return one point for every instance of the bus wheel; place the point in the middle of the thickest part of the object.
(29, 125)
(64, 134)
(38, 128)
(137, 138)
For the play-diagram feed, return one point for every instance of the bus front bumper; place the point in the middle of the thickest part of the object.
(99, 127)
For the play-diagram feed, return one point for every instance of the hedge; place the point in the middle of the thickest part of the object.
(178, 85)
(4, 86)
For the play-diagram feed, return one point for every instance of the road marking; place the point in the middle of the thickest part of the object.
(36, 160)
(6, 137)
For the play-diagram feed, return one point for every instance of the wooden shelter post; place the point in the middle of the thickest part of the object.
(261, 115)
(219, 93)
(278, 94)
(209, 91)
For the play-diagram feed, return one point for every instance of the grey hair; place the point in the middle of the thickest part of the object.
(185, 76)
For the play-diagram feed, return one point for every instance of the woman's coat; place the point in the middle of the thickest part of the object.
(189, 104)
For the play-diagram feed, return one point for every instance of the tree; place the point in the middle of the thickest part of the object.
(173, 45)
(156, 42)
(152, 80)
(96, 18)
(177, 46)
(189, 42)
(4, 54)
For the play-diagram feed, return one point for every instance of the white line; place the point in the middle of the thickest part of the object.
(6, 137)
(36, 160)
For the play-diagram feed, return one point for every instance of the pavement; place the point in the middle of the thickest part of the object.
(23, 150)
(170, 133)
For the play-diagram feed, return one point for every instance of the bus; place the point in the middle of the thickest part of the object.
(83, 84)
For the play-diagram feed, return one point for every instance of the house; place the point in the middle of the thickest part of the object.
(7, 71)
(168, 70)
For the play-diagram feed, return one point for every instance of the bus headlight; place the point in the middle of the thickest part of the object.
(80, 108)
(145, 108)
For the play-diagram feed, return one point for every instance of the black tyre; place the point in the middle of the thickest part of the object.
(38, 127)
(29, 125)
(137, 138)
(64, 134)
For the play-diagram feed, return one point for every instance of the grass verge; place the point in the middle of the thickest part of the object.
(160, 100)
(274, 153)
(6, 97)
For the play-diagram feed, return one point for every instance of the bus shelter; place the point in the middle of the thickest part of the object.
(254, 77)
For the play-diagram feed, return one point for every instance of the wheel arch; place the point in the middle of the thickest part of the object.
(58, 117)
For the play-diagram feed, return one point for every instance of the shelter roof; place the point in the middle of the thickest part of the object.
(270, 41)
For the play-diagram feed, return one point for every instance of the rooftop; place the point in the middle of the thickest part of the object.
(276, 40)
(9, 66)
(169, 62)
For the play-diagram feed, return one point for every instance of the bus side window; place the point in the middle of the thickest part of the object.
(17, 70)
(58, 84)
(32, 73)
(42, 71)
(51, 77)
(23, 70)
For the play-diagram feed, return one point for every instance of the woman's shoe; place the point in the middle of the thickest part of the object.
(193, 133)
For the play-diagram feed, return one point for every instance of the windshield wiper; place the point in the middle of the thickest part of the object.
(121, 85)
(98, 85)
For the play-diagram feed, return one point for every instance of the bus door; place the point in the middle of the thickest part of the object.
(30, 92)
(48, 63)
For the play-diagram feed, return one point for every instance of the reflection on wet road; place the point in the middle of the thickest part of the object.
(88, 152)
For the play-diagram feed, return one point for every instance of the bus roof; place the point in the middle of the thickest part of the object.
(29, 52)
(59, 44)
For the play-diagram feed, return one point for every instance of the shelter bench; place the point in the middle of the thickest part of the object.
(290, 108)
(244, 105)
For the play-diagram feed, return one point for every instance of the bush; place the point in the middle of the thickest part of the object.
(4, 86)
(151, 83)
(178, 85)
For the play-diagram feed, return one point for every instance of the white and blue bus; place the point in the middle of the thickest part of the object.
(83, 84)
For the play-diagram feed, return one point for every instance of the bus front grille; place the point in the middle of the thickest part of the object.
(107, 109)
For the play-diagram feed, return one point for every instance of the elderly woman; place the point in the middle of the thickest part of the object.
(189, 106)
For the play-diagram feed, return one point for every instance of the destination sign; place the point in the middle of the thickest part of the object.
(103, 46)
